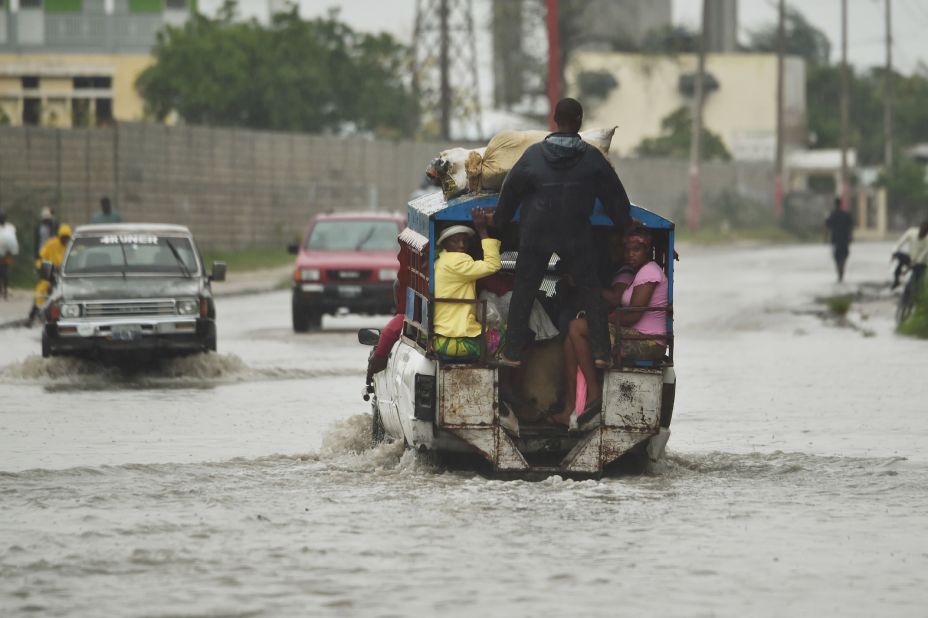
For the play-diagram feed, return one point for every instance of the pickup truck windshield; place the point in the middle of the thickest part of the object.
(130, 253)
(354, 235)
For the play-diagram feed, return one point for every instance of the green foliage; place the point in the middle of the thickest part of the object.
(671, 40)
(839, 305)
(596, 84)
(253, 258)
(295, 75)
(801, 39)
(674, 140)
(905, 182)
(917, 324)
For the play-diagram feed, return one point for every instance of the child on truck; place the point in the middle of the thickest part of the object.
(457, 331)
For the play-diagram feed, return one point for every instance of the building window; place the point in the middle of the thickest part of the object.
(29, 82)
(104, 109)
(93, 82)
(32, 111)
(30, 4)
(80, 113)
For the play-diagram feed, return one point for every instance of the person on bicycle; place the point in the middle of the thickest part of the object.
(911, 252)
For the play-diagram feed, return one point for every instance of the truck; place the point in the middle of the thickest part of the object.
(455, 409)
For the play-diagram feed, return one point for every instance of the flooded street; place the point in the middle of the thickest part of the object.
(242, 484)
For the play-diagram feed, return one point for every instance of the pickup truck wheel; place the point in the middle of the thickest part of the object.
(377, 431)
(46, 345)
(300, 318)
(314, 320)
(211, 344)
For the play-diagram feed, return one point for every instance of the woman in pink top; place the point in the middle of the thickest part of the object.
(639, 283)
(647, 289)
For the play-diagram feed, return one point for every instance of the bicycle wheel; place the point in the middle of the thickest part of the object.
(905, 306)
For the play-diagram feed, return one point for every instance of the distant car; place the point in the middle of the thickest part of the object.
(345, 261)
(129, 288)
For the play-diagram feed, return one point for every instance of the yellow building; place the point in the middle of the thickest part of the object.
(637, 91)
(70, 90)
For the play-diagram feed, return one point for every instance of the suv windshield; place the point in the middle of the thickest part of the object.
(354, 235)
(130, 253)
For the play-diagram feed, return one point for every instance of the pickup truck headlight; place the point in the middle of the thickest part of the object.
(309, 274)
(188, 306)
(70, 310)
(387, 274)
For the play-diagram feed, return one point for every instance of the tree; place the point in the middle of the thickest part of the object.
(297, 75)
(802, 39)
(675, 139)
(906, 183)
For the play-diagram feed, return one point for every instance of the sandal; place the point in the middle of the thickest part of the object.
(503, 361)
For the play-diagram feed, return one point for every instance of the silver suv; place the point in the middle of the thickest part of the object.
(131, 288)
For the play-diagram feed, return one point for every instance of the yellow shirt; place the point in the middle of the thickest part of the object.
(455, 274)
(52, 251)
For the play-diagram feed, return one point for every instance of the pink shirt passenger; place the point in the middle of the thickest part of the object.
(651, 322)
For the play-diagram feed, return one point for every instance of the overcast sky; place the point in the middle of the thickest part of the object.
(866, 26)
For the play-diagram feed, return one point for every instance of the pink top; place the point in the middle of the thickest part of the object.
(651, 322)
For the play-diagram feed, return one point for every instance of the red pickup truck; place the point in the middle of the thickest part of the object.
(346, 260)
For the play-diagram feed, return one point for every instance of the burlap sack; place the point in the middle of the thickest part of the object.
(507, 147)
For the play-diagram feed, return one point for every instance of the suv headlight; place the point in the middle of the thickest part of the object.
(387, 274)
(70, 310)
(188, 306)
(309, 274)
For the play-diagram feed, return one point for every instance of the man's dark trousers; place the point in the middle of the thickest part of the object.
(530, 270)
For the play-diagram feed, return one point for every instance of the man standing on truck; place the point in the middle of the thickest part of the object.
(556, 183)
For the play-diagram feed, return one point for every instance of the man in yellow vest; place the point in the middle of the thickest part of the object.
(52, 251)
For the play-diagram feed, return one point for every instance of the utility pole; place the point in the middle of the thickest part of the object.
(692, 218)
(443, 62)
(888, 93)
(844, 108)
(778, 171)
(554, 61)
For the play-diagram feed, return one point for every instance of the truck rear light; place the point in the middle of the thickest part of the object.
(424, 409)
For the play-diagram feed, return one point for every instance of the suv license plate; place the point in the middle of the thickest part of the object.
(126, 332)
(349, 291)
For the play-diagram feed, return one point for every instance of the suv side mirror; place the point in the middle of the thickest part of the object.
(47, 271)
(219, 272)
(369, 336)
(293, 248)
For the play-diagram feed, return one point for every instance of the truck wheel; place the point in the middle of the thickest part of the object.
(314, 320)
(46, 346)
(300, 318)
(211, 344)
(377, 431)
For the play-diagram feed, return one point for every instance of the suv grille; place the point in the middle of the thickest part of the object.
(129, 308)
(348, 275)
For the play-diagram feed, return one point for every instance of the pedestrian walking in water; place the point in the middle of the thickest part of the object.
(9, 247)
(839, 227)
(106, 214)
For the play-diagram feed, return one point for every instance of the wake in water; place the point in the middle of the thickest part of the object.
(194, 371)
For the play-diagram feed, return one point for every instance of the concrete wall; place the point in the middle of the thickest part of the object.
(237, 188)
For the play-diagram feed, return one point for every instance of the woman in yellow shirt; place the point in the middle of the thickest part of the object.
(457, 331)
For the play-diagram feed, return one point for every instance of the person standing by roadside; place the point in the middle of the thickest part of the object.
(9, 247)
(45, 229)
(839, 228)
(556, 184)
(106, 214)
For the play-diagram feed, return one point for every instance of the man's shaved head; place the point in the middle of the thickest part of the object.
(568, 115)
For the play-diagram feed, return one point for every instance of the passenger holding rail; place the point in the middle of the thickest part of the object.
(457, 331)
(556, 184)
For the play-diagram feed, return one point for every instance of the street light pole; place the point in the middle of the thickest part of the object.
(844, 108)
(554, 61)
(692, 219)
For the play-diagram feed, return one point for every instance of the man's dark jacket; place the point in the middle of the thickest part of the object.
(557, 182)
